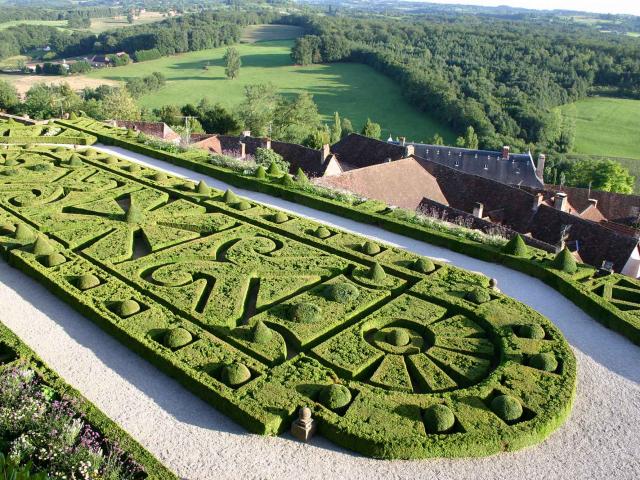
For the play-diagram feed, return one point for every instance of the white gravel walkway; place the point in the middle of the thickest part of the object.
(601, 440)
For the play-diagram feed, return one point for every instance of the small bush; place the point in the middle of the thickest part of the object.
(342, 292)
(135, 214)
(370, 248)
(516, 246)
(544, 361)
(7, 229)
(53, 260)
(87, 281)
(322, 232)
(243, 205)
(335, 396)
(230, 198)
(531, 331)
(507, 407)
(306, 312)
(478, 295)
(111, 160)
(203, 188)
(177, 337)
(235, 374)
(10, 162)
(438, 418)
(267, 157)
(160, 177)
(280, 217)
(23, 233)
(75, 161)
(377, 273)
(286, 180)
(423, 265)
(134, 168)
(260, 333)
(301, 177)
(128, 308)
(274, 170)
(260, 173)
(565, 261)
(42, 246)
(398, 337)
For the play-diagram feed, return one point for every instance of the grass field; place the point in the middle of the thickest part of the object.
(354, 90)
(99, 25)
(51, 23)
(263, 33)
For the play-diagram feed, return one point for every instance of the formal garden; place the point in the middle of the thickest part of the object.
(261, 313)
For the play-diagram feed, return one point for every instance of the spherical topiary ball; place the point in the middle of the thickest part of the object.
(280, 217)
(424, 265)
(261, 333)
(322, 232)
(177, 337)
(544, 361)
(370, 248)
(507, 407)
(306, 313)
(531, 331)
(235, 374)
(438, 418)
(478, 295)
(335, 396)
(53, 260)
(398, 337)
(342, 292)
(111, 160)
(243, 205)
(128, 308)
(87, 281)
(160, 177)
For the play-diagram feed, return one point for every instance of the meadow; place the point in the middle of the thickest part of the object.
(354, 90)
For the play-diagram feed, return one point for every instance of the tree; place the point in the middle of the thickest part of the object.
(9, 99)
(318, 138)
(437, 140)
(258, 108)
(605, 175)
(347, 128)
(232, 63)
(294, 119)
(471, 139)
(130, 18)
(336, 128)
(46, 101)
(371, 129)
(169, 114)
(214, 118)
(80, 67)
(119, 105)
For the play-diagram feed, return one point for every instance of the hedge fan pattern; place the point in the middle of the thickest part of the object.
(261, 312)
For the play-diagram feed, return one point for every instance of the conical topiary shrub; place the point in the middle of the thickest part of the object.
(377, 273)
(134, 168)
(23, 233)
(53, 260)
(370, 248)
(87, 281)
(516, 246)
(322, 232)
(42, 246)
(423, 265)
(160, 177)
(280, 217)
(260, 333)
(111, 160)
(7, 229)
(203, 188)
(274, 170)
(230, 198)
(75, 160)
(10, 162)
(134, 214)
(565, 261)
(301, 177)
(73, 116)
(286, 180)
(235, 374)
(243, 205)
(260, 173)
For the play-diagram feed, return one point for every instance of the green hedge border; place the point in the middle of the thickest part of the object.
(599, 308)
(107, 427)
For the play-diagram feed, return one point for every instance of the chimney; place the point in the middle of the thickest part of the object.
(537, 201)
(540, 168)
(267, 144)
(560, 202)
(324, 153)
(246, 133)
(478, 210)
(403, 141)
(505, 152)
(243, 150)
(593, 202)
(409, 150)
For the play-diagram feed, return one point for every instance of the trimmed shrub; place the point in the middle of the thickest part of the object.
(203, 188)
(134, 168)
(377, 273)
(42, 246)
(516, 246)
(134, 214)
(544, 361)
(7, 229)
(53, 260)
(322, 232)
(10, 162)
(235, 374)
(438, 418)
(260, 333)
(87, 281)
(507, 407)
(177, 337)
(423, 265)
(370, 248)
(280, 217)
(306, 312)
(75, 160)
(274, 170)
(286, 180)
(23, 233)
(478, 295)
(128, 308)
(301, 177)
(111, 160)
(229, 197)
(243, 205)
(160, 177)
(335, 396)
(565, 261)
(260, 173)
(398, 337)
(342, 292)
(534, 331)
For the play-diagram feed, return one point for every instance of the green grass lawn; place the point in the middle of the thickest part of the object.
(606, 126)
(52, 23)
(354, 90)
(263, 33)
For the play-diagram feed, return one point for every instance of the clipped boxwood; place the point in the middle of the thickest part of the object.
(235, 374)
(516, 246)
(565, 261)
(306, 313)
(335, 396)
(438, 418)
(544, 361)
(507, 407)
(177, 338)
(342, 292)
(478, 295)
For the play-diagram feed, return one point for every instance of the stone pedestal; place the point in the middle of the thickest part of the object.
(304, 427)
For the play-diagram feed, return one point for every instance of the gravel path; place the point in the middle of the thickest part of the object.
(601, 439)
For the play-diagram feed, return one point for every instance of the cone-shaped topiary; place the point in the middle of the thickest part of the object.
(274, 170)
(286, 180)
(322, 232)
(260, 333)
(23, 233)
(53, 260)
(544, 361)
(478, 295)
(134, 168)
(423, 265)
(131, 133)
(370, 248)
(342, 292)
(516, 246)
(531, 331)
(111, 160)
(135, 214)
(160, 177)
(230, 198)
(306, 312)
(398, 337)
(128, 308)
(10, 162)
(75, 160)
(177, 337)
(203, 188)
(7, 229)
(87, 281)
(438, 418)
(301, 177)
(335, 396)
(280, 217)
(235, 374)
(565, 261)
(260, 173)
(42, 246)
(73, 116)
(507, 407)
(60, 149)
(243, 205)
(377, 273)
